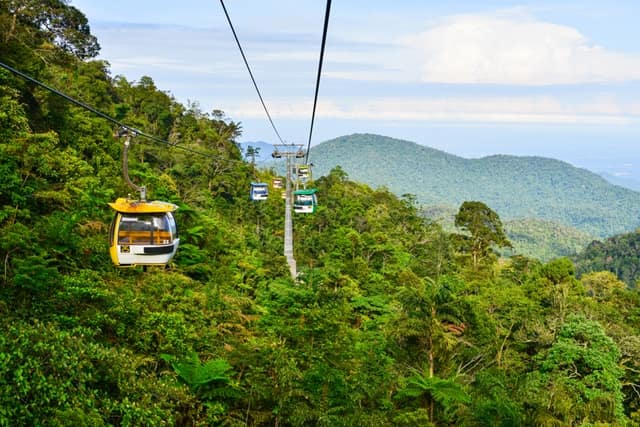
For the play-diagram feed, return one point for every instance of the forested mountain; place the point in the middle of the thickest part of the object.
(515, 187)
(618, 254)
(392, 321)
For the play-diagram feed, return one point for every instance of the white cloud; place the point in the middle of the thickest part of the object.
(283, 57)
(161, 63)
(525, 109)
(516, 50)
(502, 48)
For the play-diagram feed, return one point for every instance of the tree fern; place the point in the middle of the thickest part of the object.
(446, 392)
(211, 380)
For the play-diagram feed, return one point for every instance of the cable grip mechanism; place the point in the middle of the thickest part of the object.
(127, 134)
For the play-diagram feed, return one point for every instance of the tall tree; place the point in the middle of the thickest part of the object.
(428, 328)
(485, 229)
(252, 153)
(44, 28)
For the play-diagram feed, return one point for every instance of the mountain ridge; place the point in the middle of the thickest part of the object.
(514, 186)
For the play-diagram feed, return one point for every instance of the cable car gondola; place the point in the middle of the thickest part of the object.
(304, 172)
(276, 183)
(142, 233)
(305, 201)
(259, 191)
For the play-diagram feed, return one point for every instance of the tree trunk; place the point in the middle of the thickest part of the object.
(431, 363)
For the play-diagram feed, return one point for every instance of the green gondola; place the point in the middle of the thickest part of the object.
(305, 201)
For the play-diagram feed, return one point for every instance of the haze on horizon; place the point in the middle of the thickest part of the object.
(546, 78)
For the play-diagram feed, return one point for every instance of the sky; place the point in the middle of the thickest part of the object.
(554, 78)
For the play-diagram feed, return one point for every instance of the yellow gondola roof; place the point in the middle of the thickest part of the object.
(136, 206)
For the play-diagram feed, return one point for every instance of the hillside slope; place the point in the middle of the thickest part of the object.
(533, 238)
(515, 187)
(618, 254)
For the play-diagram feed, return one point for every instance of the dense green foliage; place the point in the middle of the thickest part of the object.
(619, 255)
(388, 324)
(515, 187)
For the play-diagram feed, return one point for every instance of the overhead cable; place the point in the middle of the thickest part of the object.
(101, 114)
(315, 98)
(235, 36)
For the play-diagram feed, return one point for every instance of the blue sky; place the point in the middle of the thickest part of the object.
(551, 78)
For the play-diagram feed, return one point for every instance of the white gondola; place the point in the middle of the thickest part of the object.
(259, 191)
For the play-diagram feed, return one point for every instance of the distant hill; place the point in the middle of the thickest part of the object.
(534, 238)
(515, 187)
(543, 239)
(621, 181)
(619, 254)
